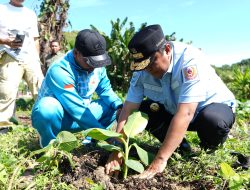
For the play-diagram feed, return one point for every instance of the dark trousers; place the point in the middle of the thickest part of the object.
(212, 123)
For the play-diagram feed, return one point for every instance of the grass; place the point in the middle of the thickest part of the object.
(205, 166)
(16, 146)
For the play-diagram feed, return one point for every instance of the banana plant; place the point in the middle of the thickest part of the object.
(235, 180)
(135, 124)
(53, 153)
(57, 149)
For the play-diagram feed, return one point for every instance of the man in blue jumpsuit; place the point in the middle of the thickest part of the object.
(183, 93)
(64, 100)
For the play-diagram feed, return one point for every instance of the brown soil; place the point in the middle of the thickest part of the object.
(89, 170)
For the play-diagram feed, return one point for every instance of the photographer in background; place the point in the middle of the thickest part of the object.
(19, 57)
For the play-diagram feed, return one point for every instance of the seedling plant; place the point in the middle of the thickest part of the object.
(135, 124)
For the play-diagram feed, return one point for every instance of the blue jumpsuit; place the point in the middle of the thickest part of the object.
(65, 103)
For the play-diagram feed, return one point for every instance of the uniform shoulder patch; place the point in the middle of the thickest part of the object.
(190, 73)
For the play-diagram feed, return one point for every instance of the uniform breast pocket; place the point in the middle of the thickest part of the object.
(153, 92)
(82, 89)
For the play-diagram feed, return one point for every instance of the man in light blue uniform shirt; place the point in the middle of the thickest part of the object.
(64, 100)
(183, 93)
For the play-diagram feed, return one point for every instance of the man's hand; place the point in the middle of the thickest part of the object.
(16, 44)
(174, 136)
(157, 166)
(113, 165)
(11, 42)
(118, 112)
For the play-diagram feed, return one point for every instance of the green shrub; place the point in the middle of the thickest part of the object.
(24, 104)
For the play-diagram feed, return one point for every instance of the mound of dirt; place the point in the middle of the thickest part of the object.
(89, 170)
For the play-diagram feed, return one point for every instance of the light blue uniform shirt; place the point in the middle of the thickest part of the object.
(189, 78)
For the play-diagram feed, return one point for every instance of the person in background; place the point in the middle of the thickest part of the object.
(183, 93)
(55, 53)
(65, 102)
(19, 55)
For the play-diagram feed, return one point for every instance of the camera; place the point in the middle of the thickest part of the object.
(20, 38)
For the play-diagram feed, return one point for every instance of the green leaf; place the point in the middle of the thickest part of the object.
(46, 156)
(246, 176)
(46, 36)
(146, 157)
(69, 156)
(227, 171)
(45, 149)
(101, 134)
(235, 182)
(67, 141)
(135, 165)
(89, 181)
(135, 124)
(118, 168)
(109, 147)
(3, 174)
(97, 187)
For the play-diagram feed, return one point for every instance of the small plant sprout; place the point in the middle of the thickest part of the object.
(58, 149)
(54, 153)
(135, 124)
(235, 181)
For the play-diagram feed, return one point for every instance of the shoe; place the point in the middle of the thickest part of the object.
(242, 161)
(14, 120)
(5, 127)
(87, 141)
(184, 147)
(208, 148)
(4, 130)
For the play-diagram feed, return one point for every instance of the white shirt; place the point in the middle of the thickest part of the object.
(15, 20)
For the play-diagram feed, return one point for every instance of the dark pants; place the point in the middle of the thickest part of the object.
(212, 123)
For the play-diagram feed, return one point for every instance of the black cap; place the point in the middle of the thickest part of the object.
(144, 44)
(92, 45)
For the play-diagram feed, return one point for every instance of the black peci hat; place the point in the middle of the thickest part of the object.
(93, 46)
(143, 44)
